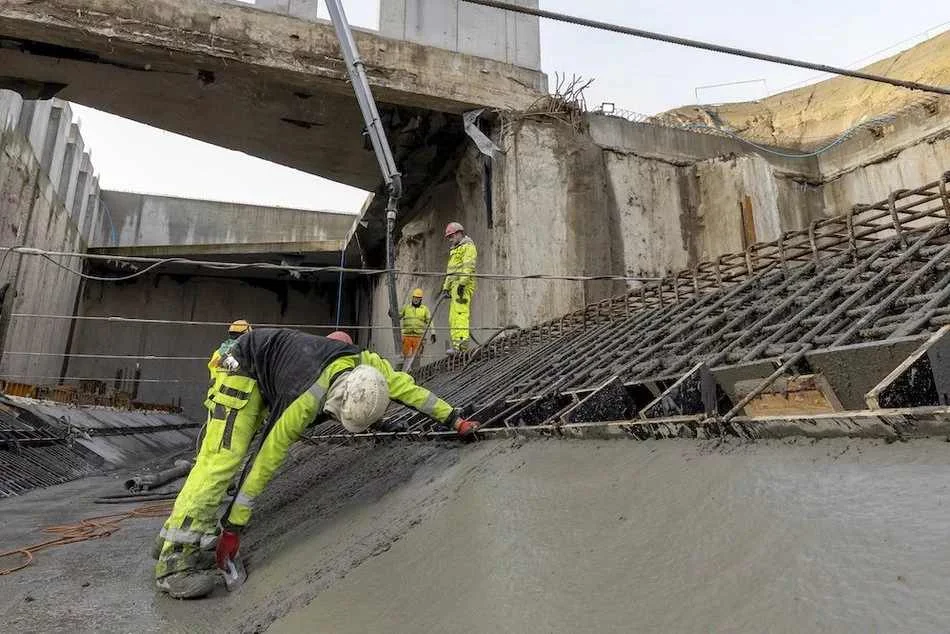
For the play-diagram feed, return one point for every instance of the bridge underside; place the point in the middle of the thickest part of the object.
(265, 84)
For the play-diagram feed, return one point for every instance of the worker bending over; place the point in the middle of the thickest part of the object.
(299, 379)
(459, 286)
(415, 318)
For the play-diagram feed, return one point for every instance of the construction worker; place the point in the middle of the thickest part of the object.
(339, 335)
(459, 286)
(235, 330)
(415, 318)
(300, 379)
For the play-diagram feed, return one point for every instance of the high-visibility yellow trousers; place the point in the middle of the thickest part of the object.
(236, 411)
(460, 311)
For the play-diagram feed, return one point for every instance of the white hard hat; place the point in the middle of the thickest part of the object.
(359, 398)
(453, 228)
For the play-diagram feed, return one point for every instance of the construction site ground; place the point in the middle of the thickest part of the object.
(533, 536)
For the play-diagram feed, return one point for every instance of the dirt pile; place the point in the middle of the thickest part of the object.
(804, 117)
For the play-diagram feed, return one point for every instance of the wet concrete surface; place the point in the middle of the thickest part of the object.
(544, 536)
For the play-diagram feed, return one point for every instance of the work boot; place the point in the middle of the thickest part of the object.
(188, 585)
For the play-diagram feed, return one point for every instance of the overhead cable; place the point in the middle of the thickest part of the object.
(716, 48)
(92, 378)
(85, 355)
(183, 322)
(232, 266)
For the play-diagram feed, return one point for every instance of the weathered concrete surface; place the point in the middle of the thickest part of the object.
(466, 28)
(615, 198)
(117, 450)
(549, 213)
(834, 536)
(820, 111)
(33, 215)
(190, 297)
(258, 82)
(913, 149)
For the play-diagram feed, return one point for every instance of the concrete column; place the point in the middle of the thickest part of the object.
(88, 213)
(83, 184)
(72, 161)
(465, 28)
(40, 123)
(57, 138)
(10, 105)
(303, 9)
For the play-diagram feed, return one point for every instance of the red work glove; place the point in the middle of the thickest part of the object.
(228, 544)
(465, 427)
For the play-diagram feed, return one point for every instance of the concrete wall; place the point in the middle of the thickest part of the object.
(147, 220)
(31, 214)
(465, 28)
(49, 199)
(618, 198)
(909, 152)
(190, 298)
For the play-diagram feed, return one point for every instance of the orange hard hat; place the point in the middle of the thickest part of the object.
(339, 335)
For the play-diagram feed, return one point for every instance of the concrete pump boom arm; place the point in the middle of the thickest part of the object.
(377, 136)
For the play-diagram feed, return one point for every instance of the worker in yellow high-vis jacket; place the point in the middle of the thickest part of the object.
(415, 318)
(459, 286)
(293, 379)
(235, 331)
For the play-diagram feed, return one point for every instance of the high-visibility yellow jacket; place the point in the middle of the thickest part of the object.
(461, 266)
(214, 363)
(278, 363)
(415, 319)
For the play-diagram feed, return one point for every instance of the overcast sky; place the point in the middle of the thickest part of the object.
(637, 75)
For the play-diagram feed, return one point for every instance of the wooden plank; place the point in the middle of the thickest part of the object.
(795, 395)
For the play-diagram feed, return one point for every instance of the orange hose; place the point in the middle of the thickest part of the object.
(88, 528)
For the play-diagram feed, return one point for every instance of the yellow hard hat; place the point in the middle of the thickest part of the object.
(239, 326)
(417, 294)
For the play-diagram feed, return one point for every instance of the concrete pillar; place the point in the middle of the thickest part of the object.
(71, 165)
(36, 134)
(10, 105)
(25, 122)
(83, 184)
(303, 9)
(88, 213)
(57, 138)
(465, 28)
